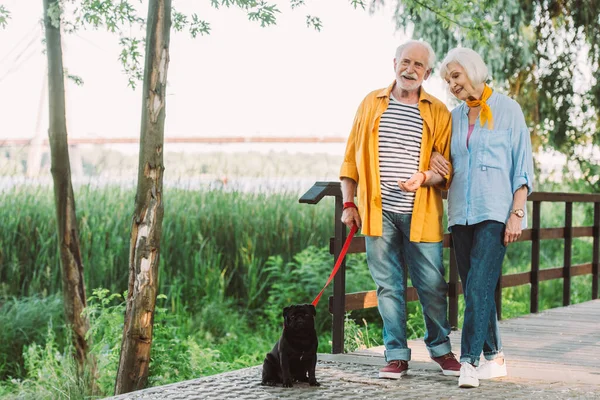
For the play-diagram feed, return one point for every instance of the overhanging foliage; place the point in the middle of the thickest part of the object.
(544, 53)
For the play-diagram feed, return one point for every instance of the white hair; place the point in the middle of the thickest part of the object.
(470, 60)
(431, 58)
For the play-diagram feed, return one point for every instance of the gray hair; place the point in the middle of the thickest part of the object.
(403, 46)
(470, 60)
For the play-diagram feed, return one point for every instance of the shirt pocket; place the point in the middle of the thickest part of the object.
(494, 149)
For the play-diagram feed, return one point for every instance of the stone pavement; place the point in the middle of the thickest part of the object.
(358, 381)
(551, 355)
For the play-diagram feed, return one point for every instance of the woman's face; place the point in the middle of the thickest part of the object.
(458, 82)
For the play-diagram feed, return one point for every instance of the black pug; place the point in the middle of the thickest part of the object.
(295, 354)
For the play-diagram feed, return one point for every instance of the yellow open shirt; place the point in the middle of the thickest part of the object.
(361, 163)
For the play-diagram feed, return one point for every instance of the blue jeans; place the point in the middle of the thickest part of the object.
(479, 251)
(386, 256)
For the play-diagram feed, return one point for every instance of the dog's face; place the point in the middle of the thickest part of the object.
(299, 317)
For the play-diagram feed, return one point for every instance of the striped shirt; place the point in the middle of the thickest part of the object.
(400, 133)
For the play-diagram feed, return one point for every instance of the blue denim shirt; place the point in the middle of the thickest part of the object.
(495, 165)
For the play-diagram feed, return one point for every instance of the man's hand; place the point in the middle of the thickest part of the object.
(414, 183)
(350, 217)
(513, 229)
(439, 164)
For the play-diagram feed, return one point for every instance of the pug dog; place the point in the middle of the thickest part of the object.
(294, 356)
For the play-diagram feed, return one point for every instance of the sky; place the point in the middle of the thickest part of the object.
(241, 80)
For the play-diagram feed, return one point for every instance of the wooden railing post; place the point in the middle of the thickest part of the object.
(534, 301)
(596, 251)
(339, 282)
(567, 253)
(453, 289)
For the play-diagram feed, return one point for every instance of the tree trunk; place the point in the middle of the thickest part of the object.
(70, 254)
(147, 220)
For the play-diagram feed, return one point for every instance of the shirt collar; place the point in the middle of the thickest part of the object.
(387, 92)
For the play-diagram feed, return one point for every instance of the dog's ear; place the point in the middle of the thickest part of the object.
(312, 308)
(286, 310)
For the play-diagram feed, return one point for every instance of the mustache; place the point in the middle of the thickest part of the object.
(410, 76)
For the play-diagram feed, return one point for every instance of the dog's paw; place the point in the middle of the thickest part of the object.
(313, 382)
(288, 383)
(268, 383)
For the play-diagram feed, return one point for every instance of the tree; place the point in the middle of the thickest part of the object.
(148, 215)
(70, 253)
(545, 54)
(147, 220)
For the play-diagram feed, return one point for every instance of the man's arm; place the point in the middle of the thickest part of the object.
(348, 189)
(350, 215)
(441, 147)
(432, 179)
(418, 179)
(349, 172)
(441, 144)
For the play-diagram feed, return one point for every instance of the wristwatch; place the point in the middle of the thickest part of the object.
(518, 212)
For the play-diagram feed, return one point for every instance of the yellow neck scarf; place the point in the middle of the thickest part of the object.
(486, 111)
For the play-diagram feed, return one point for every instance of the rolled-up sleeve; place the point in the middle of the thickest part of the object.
(522, 154)
(349, 168)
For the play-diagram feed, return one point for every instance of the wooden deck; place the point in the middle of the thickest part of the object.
(556, 345)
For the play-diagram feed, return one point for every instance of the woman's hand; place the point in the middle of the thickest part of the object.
(350, 217)
(439, 164)
(513, 229)
(414, 183)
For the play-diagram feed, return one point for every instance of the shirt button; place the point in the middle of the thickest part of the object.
(484, 168)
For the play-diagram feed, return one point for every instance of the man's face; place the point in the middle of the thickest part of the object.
(458, 82)
(412, 67)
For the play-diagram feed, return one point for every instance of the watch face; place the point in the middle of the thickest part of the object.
(520, 213)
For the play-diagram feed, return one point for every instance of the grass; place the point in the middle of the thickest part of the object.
(226, 233)
(24, 321)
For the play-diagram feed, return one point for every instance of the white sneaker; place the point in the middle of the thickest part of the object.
(490, 369)
(468, 376)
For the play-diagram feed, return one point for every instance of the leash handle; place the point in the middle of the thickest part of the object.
(337, 263)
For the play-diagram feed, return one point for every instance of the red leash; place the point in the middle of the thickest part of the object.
(337, 263)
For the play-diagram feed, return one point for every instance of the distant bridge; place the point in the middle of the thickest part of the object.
(38, 146)
(207, 140)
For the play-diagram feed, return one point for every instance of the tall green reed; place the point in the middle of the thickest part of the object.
(210, 237)
(24, 321)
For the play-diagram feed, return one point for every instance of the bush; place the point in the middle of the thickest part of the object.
(23, 322)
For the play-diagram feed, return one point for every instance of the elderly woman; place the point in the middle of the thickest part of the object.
(493, 175)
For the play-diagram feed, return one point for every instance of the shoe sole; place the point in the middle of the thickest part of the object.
(493, 376)
(449, 372)
(501, 374)
(392, 375)
(466, 385)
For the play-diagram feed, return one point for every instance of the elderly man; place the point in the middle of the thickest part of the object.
(400, 204)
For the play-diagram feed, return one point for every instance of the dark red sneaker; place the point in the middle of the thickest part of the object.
(394, 369)
(448, 363)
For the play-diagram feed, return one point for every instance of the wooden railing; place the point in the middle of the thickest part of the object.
(342, 302)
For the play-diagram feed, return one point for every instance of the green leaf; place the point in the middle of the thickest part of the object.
(314, 22)
(4, 16)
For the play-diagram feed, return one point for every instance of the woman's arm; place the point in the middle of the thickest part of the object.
(522, 179)
(514, 224)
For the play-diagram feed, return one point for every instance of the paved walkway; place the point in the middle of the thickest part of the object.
(551, 355)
